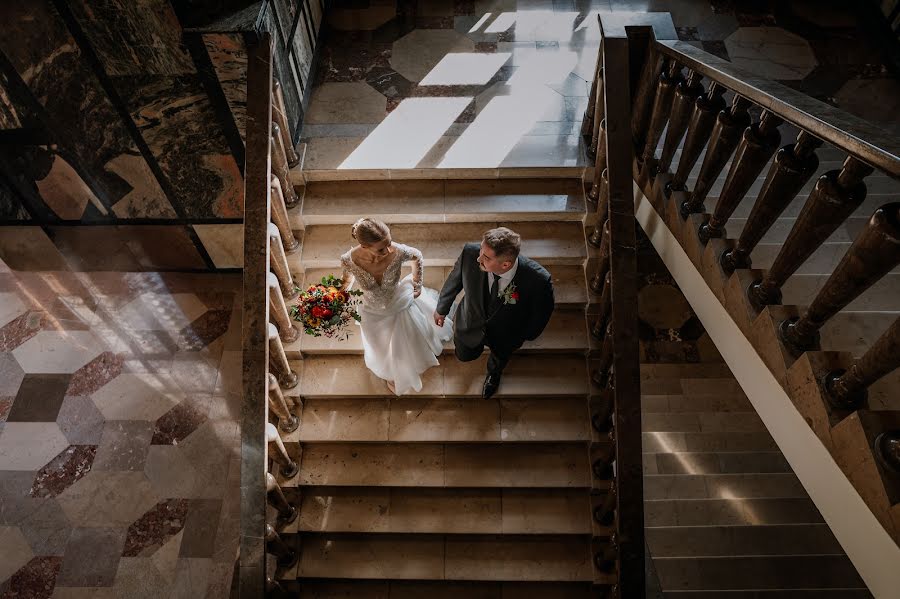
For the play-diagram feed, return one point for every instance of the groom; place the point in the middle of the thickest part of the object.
(508, 300)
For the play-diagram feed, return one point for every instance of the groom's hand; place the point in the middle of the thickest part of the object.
(438, 319)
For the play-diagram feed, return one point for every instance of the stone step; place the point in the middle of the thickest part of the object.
(822, 262)
(691, 386)
(729, 462)
(663, 442)
(801, 290)
(550, 243)
(443, 201)
(771, 594)
(445, 511)
(702, 422)
(400, 589)
(650, 371)
(528, 465)
(566, 332)
(722, 486)
(765, 539)
(747, 511)
(439, 557)
(525, 376)
(757, 572)
(695, 403)
(430, 420)
(569, 284)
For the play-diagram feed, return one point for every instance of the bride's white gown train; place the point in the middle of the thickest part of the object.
(400, 339)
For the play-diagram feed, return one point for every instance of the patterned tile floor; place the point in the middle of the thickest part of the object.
(429, 83)
(119, 444)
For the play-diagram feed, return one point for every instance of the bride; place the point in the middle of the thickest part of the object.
(399, 336)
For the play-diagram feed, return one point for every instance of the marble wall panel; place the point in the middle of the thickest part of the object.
(133, 37)
(177, 120)
(228, 55)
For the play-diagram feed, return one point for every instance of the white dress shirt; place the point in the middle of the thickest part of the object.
(505, 279)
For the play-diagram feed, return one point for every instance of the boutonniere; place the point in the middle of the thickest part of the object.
(510, 295)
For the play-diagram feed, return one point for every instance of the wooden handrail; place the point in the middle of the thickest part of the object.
(870, 143)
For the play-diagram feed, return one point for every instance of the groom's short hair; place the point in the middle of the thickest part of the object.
(504, 242)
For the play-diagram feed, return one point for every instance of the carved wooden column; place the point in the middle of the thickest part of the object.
(279, 113)
(602, 259)
(758, 143)
(887, 450)
(275, 545)
(724, 139)
(599, 164)
(836, 195)
(700, 125)
(289, 468)
(280, 217)
(278, 361)
(686, 94)
(601, 374)
(794, 164)
(281, 169)
(662, 105)
(287, 422)
(278, 262)
(873, 254)
(278, 311)
(847, 390)
(597, 120)
(286, 512)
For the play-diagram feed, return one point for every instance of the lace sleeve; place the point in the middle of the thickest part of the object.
(418, 270)
(346, 272)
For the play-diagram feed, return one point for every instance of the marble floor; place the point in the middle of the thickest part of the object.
(119, 434)
(503, 83)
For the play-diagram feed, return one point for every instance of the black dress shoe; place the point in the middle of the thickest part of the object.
(491, 384)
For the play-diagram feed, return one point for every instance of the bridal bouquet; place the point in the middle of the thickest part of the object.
(325, 310)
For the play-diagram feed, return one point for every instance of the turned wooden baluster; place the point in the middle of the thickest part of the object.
(601, 419)
(281, 169)
(598, 330)
(605, 513)
(834, 198)
(278, 361)
(643, 98)
(726, 135)
(602, 199)
(759, 142)
(848, 389)
(278, 262)
(700, 125)
(794, 164)
(874, 253)
(599, 165)
(606, 560)
(279, 113)
(278, 311)
(286, 512)
(662, 105)
(606, 455)
(597, 119)
(602, 261)
(280, 217)
(281, 550)
(601, 374)
(587, 121)
(289, 468)
(686, 94)
(887, 450)
(287, 422)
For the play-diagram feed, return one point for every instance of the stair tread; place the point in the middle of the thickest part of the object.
(450, 511)
(421, 419)
(677, 403)
(401, 589)
(667, 442)
(701, 422)
(526, 375)
(449, 465)
(734, 540)
(726, 486)
(762, 510)
(445, 557)
(547, 242)
(724, 462)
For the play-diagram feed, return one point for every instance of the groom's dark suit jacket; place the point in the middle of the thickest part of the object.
(505, 326)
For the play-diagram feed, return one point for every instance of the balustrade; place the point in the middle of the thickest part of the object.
(686, 94)
(596, 194)
(278, 262)
(279, 113)
(603, 245)
(847, 390)
(278, 361)
(587, 120)
(289, 468)
(598, 330)
(606, 559)
(597, 119)
(286, 512)
(836, 196)
(281, 169)
(757, 145)
(278, 311)
(287, 421)
(700, 125)
(275, 545)
(662, 104)
(605, 513)
(601, 374)
(793, 166)
(280, 217)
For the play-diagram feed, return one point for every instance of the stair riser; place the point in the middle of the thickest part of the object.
(714, 463)
(716, 512)
(782, 572)
(679, 541)
(706, 422)
(660, 442)
(713, 486)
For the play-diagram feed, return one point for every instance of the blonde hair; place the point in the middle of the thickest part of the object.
(368, 231)
(504, 242)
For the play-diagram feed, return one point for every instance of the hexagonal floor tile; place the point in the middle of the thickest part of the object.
(876, 100)
(11, 307)
(58, 351)
(350, 102)
(139, 396)
(11, 375)
(15, 551)
(108, 499)
(416, 53)
(160, 311)
(30, 445)
(771, 52)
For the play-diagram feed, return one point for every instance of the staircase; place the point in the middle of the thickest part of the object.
(444, 493)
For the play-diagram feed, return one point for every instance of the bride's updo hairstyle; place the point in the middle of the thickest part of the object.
(368, 231)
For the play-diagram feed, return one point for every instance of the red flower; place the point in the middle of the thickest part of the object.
(318, 311)
(326, 313)
(515, 295)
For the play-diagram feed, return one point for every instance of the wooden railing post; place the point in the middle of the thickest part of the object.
(793, 166)
(758, 143)
(278, 361)
(280, 217)
(700, 125)
(279, 263)
(848, 390)
(286, 512)
(279, 112)
(835, 197)
(662, 105)
(874, 253)
(289, 468)
(287, 421)
(278, 311)
(686, 94)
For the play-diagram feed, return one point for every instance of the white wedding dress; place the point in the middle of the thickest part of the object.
(400, 339)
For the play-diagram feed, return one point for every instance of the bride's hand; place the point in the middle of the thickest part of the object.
(417, 293)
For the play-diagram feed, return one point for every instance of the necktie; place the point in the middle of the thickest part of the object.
(494, 286)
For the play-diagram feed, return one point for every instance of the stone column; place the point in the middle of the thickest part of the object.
(279, 264)
(287, 421)
(279, 114)
(281, 169)
(279, 215)
(278, 361)
(277, 547)
(286, 512)
(278, 311)
(277, 451)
